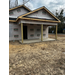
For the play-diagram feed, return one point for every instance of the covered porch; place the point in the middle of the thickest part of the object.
(42, 39)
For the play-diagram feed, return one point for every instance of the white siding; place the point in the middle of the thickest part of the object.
(35, 32)
(16, 14)
(39, 14)
(12, 32)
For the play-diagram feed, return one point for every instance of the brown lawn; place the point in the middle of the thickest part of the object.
(44, 58)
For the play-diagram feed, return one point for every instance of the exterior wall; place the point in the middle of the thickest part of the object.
(12, 32)
(16, 14)
(29, 32)
(39, 14)
(35, 32)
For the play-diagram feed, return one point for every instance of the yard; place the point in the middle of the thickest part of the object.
(44, 58)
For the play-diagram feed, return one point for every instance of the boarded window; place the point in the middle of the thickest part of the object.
(44, 12)
(32, 35)
(38, 29)
(15, 29)
(11, 13)
(18, 10)
(16, 36)
(38, 34)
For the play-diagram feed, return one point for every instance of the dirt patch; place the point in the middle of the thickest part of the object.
(44, 58)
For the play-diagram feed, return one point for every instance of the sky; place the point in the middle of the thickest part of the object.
(51, 5)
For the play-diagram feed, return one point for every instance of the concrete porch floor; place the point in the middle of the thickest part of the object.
(36, 40)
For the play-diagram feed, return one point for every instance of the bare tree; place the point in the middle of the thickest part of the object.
(25, 1)
(9, 4)
(14, 4)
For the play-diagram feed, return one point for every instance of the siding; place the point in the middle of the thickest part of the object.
(12, 32)
(35, 32)
(15, 13)
(29, 32)
(39, 14)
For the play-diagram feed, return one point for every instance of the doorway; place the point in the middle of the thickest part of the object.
(24, 32)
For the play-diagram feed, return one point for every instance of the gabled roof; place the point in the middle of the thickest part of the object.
(20, 6)
(34, 19)
(38, 10)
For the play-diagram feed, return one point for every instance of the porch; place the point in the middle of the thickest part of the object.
(41, 25)
(36, 40)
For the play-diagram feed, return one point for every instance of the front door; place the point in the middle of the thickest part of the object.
(24, 32)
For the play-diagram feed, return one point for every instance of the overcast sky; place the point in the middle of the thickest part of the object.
(52, 5)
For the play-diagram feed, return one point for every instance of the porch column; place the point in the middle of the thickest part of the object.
(41, 32)
(22, 31)
(56, 33)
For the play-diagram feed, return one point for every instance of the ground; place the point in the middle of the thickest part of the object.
(44, 58)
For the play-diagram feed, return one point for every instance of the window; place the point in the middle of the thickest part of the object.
(38, 34)
(16, 36)
(44, 12)
(18, 10)
(44, 34)
(32, 35)
(15, 29)
(31, 29)
(38, 29)
(11, 13)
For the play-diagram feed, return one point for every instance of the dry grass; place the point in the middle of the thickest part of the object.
(44, 58)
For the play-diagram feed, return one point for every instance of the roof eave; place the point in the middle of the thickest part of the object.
(18, 7)
(12, 20)
(42, 20)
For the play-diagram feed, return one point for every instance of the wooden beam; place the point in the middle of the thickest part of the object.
(22, 31)
(56, 33)
(41, 32)
(34, 19)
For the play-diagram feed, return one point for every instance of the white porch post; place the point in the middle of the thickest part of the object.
(56, 33)
(41, 32)
(22, 31)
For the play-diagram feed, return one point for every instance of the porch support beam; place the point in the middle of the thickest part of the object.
(56, 33)
(22, 31)
(41, 32)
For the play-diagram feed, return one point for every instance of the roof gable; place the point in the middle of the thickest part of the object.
(19, 7)
(41, 14)
(18, 11)
(42, 8)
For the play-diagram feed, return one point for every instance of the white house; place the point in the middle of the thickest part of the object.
(26, 24)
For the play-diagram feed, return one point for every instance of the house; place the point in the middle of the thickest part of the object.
(26, 24)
